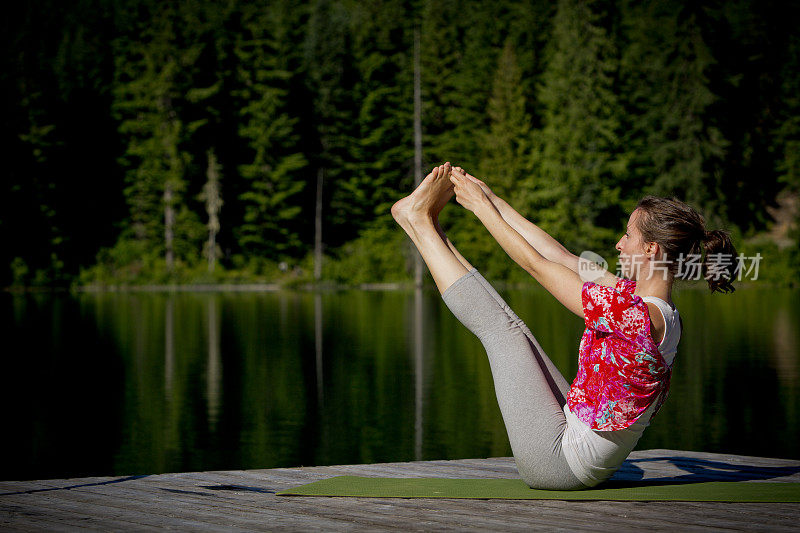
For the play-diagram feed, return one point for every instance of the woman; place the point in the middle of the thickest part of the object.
(566, 437)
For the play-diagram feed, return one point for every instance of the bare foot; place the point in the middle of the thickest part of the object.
(486, 190)
(427, 200)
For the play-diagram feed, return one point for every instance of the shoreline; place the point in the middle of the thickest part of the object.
(310, 287)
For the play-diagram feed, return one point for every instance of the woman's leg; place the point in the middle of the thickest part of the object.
(530, 391)
(530, 403)
(558, 384)
(416, 214)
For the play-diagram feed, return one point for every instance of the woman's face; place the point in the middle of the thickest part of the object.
(631, 248)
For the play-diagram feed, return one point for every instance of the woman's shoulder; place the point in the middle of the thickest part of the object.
(621, 292)
(608, 280)
(608, 309)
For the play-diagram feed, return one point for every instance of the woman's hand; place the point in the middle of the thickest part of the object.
(485, 188)
(468, 192)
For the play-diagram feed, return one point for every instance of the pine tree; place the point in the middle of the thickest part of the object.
(788, 132)
(330, 78)
(38, 139)
(460, 45)
(274, 172)
(677, 149)
(148, 93)
(505, 156)
(442, 36)
(379, 156)
(578, 162)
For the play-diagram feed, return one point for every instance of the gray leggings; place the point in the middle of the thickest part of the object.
(530, 390)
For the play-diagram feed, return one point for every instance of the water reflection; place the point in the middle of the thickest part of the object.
(145, 383)
(214, 363)
(785, 346)
(169, 347)
(419, 355)
(318, 346)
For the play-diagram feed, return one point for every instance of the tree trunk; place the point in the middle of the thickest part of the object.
(169, 226)
(211, 194)
(212, 247)
(418, 269)
(214, 363)
(318, 228)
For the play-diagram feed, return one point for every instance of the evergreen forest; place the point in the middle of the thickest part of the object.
(200, 141)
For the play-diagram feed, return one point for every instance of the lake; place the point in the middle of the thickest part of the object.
(135, 383)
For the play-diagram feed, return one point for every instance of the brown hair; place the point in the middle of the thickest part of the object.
(680, 232)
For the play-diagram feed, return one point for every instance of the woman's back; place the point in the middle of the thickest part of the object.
(595, 455)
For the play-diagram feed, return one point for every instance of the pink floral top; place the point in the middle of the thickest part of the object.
(620, 369)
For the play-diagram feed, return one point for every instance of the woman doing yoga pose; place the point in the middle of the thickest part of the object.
(570, 437)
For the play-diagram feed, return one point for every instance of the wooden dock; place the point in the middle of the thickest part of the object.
(245, 500)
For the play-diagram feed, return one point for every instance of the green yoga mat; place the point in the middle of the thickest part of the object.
(516, 489)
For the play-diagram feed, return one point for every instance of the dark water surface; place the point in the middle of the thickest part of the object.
(101, 384)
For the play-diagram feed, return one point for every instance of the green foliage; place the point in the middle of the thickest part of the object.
(19, 272)
(378, 255)
(778, 266)
(676, 149)
(505, 158)
(275, 173)
(147, 98)
(459, 45)
(331, 77)
(131, 262)
(380, 152)
(788, 131)
(128, 261)
(579, 161)
(570, 110)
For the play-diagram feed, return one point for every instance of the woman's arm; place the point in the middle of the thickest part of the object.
(536, 237)
(560, 281)
(539, 239)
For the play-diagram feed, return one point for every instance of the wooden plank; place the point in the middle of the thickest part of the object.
(242, 499)
(13, 487)
(211, 510)
(707, 467)
(650, 515)
(366, 510)
(46, 485)
(73, 512)
(230, 508)
(728, 458)
(30, 524)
